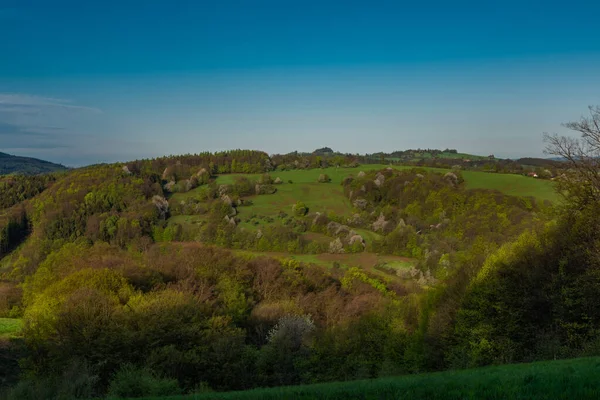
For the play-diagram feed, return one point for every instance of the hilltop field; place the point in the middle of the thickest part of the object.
(329, 199)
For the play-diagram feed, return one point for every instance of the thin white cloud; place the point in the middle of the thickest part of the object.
(16, 102)
(43, 123)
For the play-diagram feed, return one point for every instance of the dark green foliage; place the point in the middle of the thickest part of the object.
(75, 381)
(565, 380)
(25, 165)
(15, 189)
(14, 227)
(131, 381)
(536, 299)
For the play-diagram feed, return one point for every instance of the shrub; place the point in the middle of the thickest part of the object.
(76, 382)
(32, 390)
(265, 179)
(324, 178)
(132, 381)
(299, 209)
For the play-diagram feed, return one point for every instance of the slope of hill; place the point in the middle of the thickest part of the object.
(219, 258)
(565, 379)
(10, 164)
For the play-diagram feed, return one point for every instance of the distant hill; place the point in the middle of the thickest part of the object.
(10, 164)
(541, 162)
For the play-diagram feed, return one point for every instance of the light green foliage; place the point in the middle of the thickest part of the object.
(357, 274)
(300, 209)
(10, 327)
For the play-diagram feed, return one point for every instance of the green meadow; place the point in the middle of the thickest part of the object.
(550, 380)
(10, 327)
(511, 184)
(328, 198)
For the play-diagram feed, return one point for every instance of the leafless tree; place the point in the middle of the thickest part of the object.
(582, 182)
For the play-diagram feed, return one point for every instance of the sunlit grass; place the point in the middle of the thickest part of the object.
(10, 327)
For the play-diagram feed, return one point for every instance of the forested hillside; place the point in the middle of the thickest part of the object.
(238, 270)
(25, 165)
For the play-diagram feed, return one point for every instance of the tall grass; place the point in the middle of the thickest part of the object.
(565, 379)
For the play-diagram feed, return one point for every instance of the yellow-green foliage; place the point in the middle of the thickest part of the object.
(356, 273)
(41, 314)
(528, 244)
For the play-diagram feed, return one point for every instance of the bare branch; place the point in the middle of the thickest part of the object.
(582, 155)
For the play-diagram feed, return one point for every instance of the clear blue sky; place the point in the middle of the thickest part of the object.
(83, 83)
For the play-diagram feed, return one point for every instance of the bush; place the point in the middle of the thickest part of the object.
(32, 390)
(299, 209)
(76, 382)
(324, 178)
(132, 381)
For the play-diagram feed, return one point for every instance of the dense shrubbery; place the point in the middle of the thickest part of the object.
(428, 216)
(196, 314)
(15, 189)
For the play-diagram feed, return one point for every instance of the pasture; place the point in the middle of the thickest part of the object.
(511, 184)
(386, 266)
(564, 379)
(10, 327)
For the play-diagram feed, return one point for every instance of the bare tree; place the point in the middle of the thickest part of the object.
(582, 182)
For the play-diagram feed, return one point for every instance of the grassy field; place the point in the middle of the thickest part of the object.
(565, 379)
(364, 260)
(10, 327)
(511, 184)
(515, 185)
(329, 198)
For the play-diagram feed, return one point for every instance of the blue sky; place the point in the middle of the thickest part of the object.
(84, 83)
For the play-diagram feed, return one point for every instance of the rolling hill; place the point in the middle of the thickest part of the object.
(10, 164)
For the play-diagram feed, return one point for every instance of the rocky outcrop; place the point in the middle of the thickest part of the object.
(336, 229)
(381, 225)
(360, 203)
(223, 190)
(264, 189)
(379, 179)
(230, 220)
(357, 239)
(169, 186)
(320, 219)
(356, 219)
(336, 246)
(323, 178)
(451, 178)
(162, 205)
(226, 199)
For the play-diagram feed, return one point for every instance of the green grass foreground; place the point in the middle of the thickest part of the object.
(565, 379)
(10, 327)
